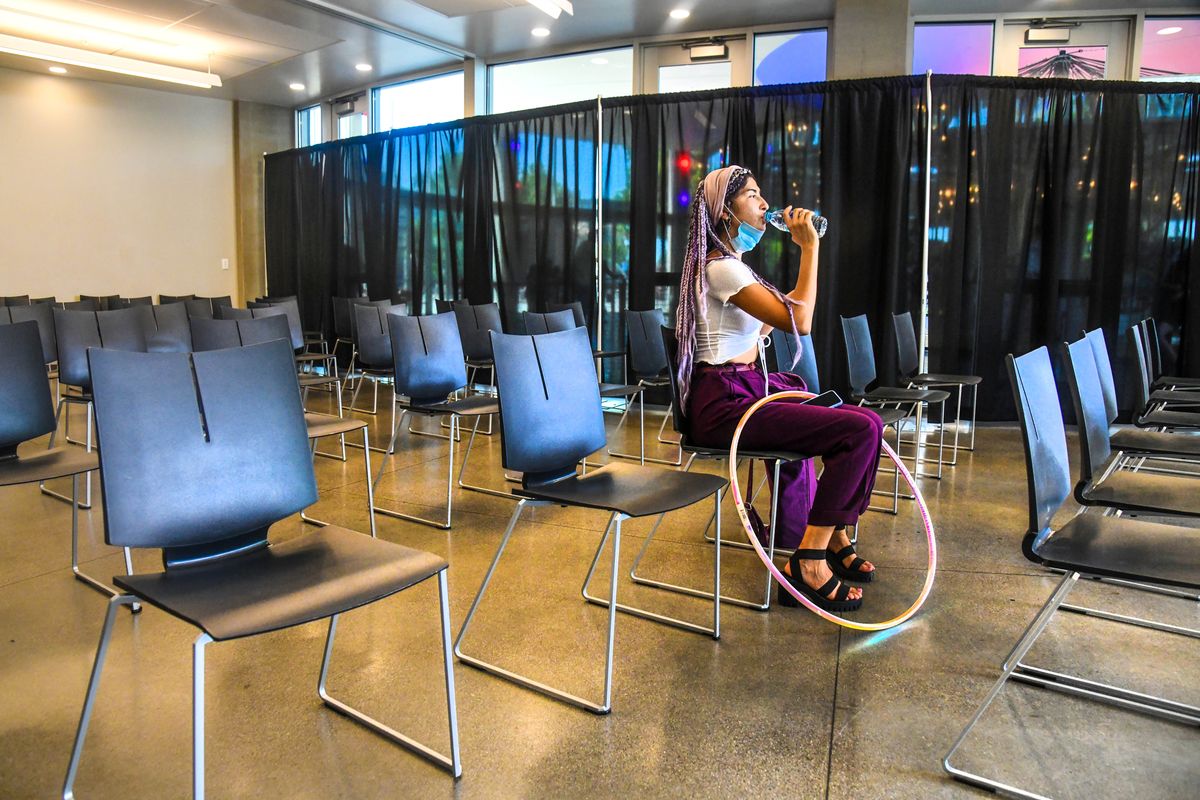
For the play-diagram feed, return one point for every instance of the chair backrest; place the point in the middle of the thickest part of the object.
(1108, 384)
(214, 334)
(550, 414)
(222, 300)
(1154, 349)
(671, 348)
(371, 336)
(103, 302)
(15, 300)
(1047, 467)
(173, 334)
(34, 301)
(343, 323)
(43, 315)
(201, 452)
(1090, 414)
(860, 356)
(549, 322)
(126, 302)
(123, 329)
(443, 306)
(5, 316)
(88, 304)
(784, 346)
(229, 312)
(26, 410)
(291, 308)
(576, 309)
(1144, 378)
(163, 299)
(475, 324)
(268, 328)
(427, 356)
(908, 360)
(647, 356)
(198, 308)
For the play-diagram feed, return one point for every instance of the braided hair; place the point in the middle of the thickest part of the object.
(693, 285)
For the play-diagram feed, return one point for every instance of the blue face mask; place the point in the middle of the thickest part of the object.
(747, 237)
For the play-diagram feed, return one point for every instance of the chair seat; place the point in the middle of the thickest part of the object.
(723, 452)
(890, 416)
(1144, 551)
(310, 357)
(1146, 492)
(1174, 419)
(1175, 397)
(631, 489)
(479, 363)
(1178, 381)
(947, 378)
(300, 580)
(893, 394)
(308, 379)
(607, 353)
(44, 465)
(328, 425)
(1133, 440)
(619, 390)
(477, 405)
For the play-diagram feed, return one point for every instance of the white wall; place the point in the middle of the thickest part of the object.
(108, 189)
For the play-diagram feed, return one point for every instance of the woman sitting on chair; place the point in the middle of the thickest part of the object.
(725, 308)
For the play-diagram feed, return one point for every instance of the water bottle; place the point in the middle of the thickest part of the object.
(776, 218)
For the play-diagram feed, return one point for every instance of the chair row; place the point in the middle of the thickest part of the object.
(111, 302)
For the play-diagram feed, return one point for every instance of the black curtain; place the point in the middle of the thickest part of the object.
(1058, 206)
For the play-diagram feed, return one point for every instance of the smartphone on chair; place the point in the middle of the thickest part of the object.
(828, 399)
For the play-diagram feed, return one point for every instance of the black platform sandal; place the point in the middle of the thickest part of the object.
(852, 572)
(841, 601)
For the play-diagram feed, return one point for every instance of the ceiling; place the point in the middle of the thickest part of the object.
(260, 47)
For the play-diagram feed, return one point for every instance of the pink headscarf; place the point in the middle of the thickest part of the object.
(711, 196)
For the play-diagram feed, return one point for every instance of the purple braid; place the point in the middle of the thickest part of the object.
(693, 284)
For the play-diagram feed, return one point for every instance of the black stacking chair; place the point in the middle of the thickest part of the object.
(1134, 441)
(442, 306)
(1102, 481)
(172, 333)
(386, 305)
(1088, 546)
(549, 322)
(550, 417)
(198, 308)
(860, 356)
(123, 329)
(229, 312)
(909, 363)
(43, 315)
(15, 300)
(87, 304)
(1176, 391)
(429, 367)
(1160, 408)
(221, 573)
(214, 334)
(164, 299)
(218, 300)
(302, 339)
(648, 362)
(1154, 355)
(102, 303)
(783, 349)
(26, 412)
(581, 321)
(36, 300)
(343, 326)
(374, 356)
(126, 302)
(475, 325)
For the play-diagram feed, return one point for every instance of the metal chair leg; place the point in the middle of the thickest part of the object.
(65, 403)
(366, 448)
(452, 763)
(463, 468)
(449, 477)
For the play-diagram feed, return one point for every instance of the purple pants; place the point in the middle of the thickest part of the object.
(846, 438)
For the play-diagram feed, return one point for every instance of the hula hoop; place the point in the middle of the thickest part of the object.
(784, 584)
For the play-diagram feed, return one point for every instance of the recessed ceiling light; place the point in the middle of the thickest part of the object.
(363, 67)
(540, 31)
(600, 62)
(680, 13)
(1169, 31)
(59, 70)
(296, 87)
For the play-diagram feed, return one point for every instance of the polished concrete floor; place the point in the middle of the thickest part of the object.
(784, 705)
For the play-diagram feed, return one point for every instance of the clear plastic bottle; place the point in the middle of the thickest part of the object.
(776, 218)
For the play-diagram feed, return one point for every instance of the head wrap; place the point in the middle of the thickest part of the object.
(715, 192)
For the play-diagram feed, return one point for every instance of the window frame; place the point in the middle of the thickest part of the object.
(755, 33)
(373, 116)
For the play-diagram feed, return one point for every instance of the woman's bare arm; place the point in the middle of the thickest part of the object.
(759, 303)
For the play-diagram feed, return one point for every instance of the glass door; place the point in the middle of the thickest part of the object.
(680, 68)
(1083, 49)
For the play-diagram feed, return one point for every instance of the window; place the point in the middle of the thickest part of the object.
(953, 49)
(694, 77)
(1086, 63)
(549, 81)
(1171, 49)
(419, 102)
(352, 124)
(308, 126)
(790, 57)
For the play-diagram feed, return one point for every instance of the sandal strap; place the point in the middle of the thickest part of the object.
(848, 550)
(829, 585)
(804, 555)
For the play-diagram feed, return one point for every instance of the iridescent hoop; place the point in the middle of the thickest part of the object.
(775, 571)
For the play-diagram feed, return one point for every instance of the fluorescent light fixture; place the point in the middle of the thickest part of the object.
(363, 67)
(680, 13)
(59, 70)
(296, 87)
(553, 7)
(1168, 31)
(540, 31)
(75, 57)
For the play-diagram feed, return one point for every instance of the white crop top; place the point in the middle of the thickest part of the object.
(725, 331)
